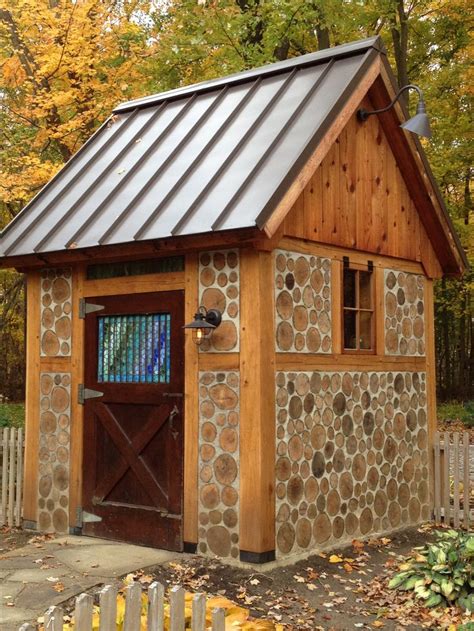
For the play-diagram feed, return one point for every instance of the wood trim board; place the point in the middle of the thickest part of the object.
(32, 408)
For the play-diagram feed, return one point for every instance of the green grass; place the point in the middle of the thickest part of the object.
(12, 414)
(455, 410)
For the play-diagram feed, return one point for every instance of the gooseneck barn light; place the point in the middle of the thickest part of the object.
(204, 323)
(418, 124)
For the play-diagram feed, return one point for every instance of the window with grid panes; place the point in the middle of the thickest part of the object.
(358, 314)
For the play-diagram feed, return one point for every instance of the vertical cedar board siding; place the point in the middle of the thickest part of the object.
(358, 199)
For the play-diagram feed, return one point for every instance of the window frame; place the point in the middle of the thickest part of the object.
(357, 267)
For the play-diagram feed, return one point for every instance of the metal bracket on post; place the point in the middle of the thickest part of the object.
(87, 307)
(83, 517)
(86, 393)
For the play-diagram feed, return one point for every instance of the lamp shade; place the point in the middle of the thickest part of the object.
(204, 323)
(419, 124)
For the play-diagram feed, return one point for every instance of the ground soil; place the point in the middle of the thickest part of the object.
(456, 426)
(310, 594)
(13, 538)
(345, 591)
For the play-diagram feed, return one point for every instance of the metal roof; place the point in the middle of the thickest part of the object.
(214, 156)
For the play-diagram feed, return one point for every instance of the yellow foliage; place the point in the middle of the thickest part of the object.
(63, 67)
(236, 618)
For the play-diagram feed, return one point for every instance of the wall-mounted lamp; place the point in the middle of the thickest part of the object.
(418, 124)
(204, 323)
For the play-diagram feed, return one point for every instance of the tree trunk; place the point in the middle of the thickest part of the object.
(322, 33)
(399, 32)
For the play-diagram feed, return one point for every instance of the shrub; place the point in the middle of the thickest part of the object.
(455, 410)
(441, 573)
(12, 415)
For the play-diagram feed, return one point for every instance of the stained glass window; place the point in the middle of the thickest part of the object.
(134, 348)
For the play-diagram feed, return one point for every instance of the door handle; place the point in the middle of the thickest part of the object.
(173, 394)
(173, 413)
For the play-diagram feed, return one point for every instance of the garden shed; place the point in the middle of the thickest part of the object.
(305, 417)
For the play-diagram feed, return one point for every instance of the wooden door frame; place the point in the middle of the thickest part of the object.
(179, 373)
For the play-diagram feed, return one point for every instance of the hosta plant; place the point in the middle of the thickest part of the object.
(441, 573)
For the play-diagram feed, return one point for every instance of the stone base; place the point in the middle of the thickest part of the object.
(29, 525)
(75, 530)
(257, 557)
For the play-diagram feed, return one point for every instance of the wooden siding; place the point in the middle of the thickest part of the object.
(357, 199)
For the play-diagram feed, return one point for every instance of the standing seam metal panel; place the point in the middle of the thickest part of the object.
(210, 159)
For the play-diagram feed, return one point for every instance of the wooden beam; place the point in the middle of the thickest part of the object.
(336, 311)
(30, 482)
(135, 251)
(322, 149)
(430, 381)
(219, 361)
(379, 313)
(257, 403)
(346, 361)
(134, 284)
(191, 405)
(337, 253)
(55, 364)
(77, 411)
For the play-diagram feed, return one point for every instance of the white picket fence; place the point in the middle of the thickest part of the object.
(454, 478)
(155, 619)
(11, 472)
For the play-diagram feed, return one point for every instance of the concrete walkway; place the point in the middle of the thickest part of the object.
(28, 575)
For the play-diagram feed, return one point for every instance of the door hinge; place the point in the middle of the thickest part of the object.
(83, 394)
(83, 517)
(88, 307)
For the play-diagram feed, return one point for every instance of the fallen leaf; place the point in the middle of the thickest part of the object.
(334, 558)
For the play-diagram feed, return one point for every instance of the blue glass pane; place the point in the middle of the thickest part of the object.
(134, 348)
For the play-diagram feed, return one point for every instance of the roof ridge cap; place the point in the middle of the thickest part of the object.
(309, 59)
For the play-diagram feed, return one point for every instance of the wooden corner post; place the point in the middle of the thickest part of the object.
(30, 480)
(430, 382)
(191, 411)
(257, 408)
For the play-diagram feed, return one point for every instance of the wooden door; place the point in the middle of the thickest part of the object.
(133, 433)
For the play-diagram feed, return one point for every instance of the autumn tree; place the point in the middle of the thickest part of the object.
(64, 64)
(63, 67)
